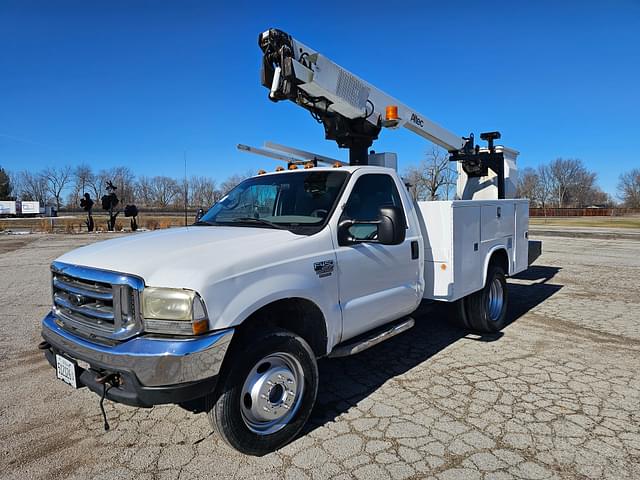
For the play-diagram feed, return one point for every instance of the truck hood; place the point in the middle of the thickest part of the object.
(184, 257)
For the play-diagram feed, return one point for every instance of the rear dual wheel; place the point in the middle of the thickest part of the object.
(486, 309)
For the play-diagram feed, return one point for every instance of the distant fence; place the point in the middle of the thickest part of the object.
(191, 211)
(582, 212)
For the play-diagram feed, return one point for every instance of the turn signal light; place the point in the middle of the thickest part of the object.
(200, 326)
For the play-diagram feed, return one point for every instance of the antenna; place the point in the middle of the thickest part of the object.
(186, 187)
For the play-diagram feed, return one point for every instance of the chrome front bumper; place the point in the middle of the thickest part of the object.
(154, 361)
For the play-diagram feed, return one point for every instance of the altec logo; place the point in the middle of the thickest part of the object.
(417, 120)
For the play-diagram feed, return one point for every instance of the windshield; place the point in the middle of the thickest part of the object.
(293, 200)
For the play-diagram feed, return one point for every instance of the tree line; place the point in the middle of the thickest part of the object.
(567, 183)
(560, 183)
(63, 186)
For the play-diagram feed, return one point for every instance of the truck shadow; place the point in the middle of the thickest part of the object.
(344, 382)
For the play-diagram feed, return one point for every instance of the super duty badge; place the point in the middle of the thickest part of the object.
(323, 268)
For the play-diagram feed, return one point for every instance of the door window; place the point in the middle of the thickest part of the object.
(370, 192)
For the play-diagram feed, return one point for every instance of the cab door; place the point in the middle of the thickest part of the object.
(377, 283)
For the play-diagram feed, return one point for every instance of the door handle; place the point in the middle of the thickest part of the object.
(415, 250)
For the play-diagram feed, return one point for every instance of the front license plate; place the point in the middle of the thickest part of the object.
(66, 370)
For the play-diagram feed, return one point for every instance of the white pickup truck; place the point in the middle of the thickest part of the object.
(290, 267)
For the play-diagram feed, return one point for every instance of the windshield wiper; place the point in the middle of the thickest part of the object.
(203, 222)
(259, 220)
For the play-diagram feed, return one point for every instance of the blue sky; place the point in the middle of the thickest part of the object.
(137, 83)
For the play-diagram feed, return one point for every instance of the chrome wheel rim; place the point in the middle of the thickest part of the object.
(272, 393)
(495, 299)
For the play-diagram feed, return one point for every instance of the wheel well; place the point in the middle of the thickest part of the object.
(298, 315)
(501, 259)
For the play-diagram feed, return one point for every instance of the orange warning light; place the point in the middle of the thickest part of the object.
(391, 112)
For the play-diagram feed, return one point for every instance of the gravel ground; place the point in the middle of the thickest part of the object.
(555, 395)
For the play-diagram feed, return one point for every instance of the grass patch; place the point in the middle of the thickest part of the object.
(601, 222)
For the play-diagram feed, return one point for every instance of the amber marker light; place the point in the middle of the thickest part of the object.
(261, 172)
(443, 266)
(337, 165)
(308, 165)
(200, 326)
(293, 166)
(391, 112)
(391, 118)
(279, 168)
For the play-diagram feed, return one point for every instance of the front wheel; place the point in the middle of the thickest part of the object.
(267, 395)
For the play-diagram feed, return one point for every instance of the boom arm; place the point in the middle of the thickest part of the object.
(353, 111)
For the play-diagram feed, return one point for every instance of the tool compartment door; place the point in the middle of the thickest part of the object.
(521, 236)
(467, 258)
(497, 220)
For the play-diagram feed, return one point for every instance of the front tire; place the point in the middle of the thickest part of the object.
(267, 394)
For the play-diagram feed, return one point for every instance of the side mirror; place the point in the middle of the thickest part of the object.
(392, 228)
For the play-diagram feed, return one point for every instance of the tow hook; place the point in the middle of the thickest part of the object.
(44, 345)
(108, 381)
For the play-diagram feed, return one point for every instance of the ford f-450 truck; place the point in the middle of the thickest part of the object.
(289, 267)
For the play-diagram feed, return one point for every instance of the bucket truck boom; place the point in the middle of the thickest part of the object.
(354, 112)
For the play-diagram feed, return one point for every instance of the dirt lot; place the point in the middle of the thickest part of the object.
(556, 395)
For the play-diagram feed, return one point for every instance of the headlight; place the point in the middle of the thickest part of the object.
(173, 311)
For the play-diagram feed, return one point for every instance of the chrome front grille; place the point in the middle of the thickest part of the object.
(97, 304)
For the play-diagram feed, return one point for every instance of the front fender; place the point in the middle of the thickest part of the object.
(232, 301)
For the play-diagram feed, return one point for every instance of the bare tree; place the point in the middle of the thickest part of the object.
(629, 188)
(97, 184)
(144, 191)
(34, 187)
(231, 182)
(15, 179)
(545, 186)
(528, 185)
(164, 190)
(564, 173)
(583, 192)
(433, 179)
(57, 179)
(83, 178)
(202, 192)
(124, 179)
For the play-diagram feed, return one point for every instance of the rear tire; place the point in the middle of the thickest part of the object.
(267, 393)
(486, 309)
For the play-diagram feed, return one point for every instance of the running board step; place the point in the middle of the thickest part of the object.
(375, 337)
